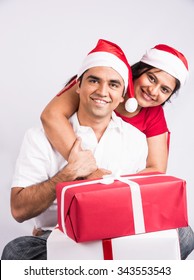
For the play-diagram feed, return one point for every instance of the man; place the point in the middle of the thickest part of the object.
(104, 141)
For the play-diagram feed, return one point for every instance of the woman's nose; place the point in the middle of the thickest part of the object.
(154, 90)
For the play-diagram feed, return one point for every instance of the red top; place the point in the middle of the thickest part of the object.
(151, 121)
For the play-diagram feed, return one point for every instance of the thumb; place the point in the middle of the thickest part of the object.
(105, 171)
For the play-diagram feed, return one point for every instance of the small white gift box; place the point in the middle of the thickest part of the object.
(161, 245)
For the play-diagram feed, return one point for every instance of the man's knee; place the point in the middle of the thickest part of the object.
(8, 251)
(25, 248)
(186, 238)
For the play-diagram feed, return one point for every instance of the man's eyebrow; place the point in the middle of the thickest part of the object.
(116, 81)
(98, 79)
(93, 77)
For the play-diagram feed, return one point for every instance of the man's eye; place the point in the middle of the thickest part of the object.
(93, 80)
(114, 85)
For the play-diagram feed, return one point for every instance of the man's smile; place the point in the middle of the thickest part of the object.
(100, 100)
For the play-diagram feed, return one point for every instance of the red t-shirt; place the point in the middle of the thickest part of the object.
(151, 121)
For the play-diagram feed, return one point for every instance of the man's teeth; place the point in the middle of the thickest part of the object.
(100, 101)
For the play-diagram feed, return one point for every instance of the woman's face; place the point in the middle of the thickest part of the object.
(153, 87)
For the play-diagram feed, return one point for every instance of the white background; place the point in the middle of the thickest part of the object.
(43, 42)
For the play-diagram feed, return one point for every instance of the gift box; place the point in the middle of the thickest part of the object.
(161, 245)
(120, 206)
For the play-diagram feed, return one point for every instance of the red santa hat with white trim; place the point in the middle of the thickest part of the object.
(111, 55)
(169, 60)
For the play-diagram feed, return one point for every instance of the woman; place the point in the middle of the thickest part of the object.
(156, 77)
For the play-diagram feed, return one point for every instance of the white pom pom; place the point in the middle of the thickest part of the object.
(131, 105)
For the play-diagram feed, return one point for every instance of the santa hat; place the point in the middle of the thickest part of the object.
(109, 54)
(169, 60)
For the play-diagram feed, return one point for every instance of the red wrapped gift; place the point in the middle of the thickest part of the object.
(121, 206)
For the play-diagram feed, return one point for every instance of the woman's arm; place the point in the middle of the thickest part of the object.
(157, 154)
(57, 127)
(55, 120)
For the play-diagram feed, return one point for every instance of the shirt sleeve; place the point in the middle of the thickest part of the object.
(155, 122)
(151, 121)
(32, 165)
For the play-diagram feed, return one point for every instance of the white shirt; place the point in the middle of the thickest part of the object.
(122, 148)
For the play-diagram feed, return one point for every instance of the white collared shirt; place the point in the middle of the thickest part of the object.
(122, 148)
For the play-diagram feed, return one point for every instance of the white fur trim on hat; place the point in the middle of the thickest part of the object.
(167, 62)
(105, 59)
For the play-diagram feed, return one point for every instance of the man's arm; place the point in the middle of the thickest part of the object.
(31, 201)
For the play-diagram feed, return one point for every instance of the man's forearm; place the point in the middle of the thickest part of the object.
(31, 201)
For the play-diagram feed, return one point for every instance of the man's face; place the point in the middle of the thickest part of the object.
(101, 91)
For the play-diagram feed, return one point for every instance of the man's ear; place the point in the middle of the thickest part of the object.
(78, 87)
(122, 99)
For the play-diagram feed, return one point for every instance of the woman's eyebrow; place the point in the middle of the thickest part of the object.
(155, 76)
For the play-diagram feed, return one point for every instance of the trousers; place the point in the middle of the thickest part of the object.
(34, 247)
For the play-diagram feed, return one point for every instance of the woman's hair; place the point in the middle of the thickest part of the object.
(70, 80)
(140, 68)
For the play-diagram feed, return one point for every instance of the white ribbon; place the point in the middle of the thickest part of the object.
(138, 215)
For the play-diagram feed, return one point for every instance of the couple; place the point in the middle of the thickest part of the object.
(104, 143)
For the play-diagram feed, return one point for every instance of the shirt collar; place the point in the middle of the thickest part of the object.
(115, 123)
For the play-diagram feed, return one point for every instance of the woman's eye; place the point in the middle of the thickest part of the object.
(151, 78)
(165, 90)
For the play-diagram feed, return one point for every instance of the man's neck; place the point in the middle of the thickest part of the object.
(98, 125)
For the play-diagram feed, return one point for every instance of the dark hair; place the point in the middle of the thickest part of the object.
(140, 68)
(73, 78)
(70, 80)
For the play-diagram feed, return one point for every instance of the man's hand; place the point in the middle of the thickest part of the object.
(81, 162)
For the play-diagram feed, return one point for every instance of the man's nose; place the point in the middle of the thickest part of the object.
(102, 89)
